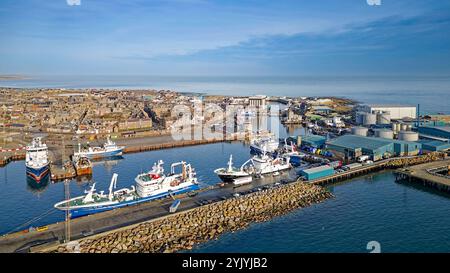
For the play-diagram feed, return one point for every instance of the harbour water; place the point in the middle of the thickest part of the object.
(430, 91)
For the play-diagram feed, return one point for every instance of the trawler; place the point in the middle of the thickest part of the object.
(109, 149)
(83, 166)
(231, 173)
(36, 159)
(264, 164)
(266, 144)
(149, 186)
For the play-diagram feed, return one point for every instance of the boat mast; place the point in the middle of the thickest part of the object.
(112, 186)
(230, 163)
(67, 194)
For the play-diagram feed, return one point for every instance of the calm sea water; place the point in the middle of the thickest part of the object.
(433, 93)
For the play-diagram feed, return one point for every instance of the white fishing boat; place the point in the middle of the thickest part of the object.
(264, 144)
(231, 173)
(264, 164)
(36, 159)
(149, 186)
(109, 149)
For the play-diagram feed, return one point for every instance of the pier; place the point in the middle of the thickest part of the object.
(423, 174)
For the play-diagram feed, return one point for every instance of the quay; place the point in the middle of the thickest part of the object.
(8, 157)
(176, 144)
(91, 225)
(424, 174)
(58, 173)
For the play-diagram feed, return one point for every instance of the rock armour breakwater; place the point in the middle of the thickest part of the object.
(184, 230)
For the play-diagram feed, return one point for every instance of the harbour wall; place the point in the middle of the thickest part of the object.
(182, 231)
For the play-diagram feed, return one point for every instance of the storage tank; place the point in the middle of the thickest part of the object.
(409, 127)
(384, 133)
(403, 127)
(369, 119)
(395, 127)
(359, 117)
(360, 131)
(408, 136)
(383, 118)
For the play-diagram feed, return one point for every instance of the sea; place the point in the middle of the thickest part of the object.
(366, 210)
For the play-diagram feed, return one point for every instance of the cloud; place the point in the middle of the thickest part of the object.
(73, 2)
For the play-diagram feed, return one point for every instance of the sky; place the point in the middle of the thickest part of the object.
(224, 38)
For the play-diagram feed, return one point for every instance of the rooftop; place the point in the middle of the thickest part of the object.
(354, 141)
(317, 169)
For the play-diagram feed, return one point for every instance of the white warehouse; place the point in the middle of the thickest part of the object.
(395, 111)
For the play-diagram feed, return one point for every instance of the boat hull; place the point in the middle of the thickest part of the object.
(99, 155)
(37, 173)
(79, 212)
(228, 178)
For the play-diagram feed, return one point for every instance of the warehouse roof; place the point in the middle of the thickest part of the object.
(354, 141)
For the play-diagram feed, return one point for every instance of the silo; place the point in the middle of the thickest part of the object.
(384, 133)
(369, 119)
(395, 127)
(403, 126)
(383, 118)
(408, 136)
(359, 131)
(359, 117)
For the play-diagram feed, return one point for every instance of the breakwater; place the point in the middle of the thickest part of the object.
(183, 230)
(176, 144)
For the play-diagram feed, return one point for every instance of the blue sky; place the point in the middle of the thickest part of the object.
(228, 37)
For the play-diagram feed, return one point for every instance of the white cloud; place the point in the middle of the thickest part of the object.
(73, 2)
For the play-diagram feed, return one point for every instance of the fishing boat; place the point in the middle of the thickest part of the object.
(266, 144)
(264, 164)
(149, 186)
(83, 166)
(231, 173)
(36, 159)
(109, 149)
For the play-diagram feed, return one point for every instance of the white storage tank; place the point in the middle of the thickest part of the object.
(360, 131)
(395, 127)
(409, 127)
(369, 119)
(383, 118)
(384, 133)
(408, 136)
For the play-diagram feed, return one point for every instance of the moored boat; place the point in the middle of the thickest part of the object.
(264, 164)
(149, 186)
(231, 173)
(83, 166)
(36, 159)
(264, 145)
(109, 149)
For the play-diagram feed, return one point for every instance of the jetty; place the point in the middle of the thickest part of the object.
(434, 175)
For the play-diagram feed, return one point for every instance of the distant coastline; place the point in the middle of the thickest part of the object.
(11, 77)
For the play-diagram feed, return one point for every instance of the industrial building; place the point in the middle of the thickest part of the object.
(434, 145)
(314, 141)
(353, 146)
(391, 111)
(317, 172)
(436, 132)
